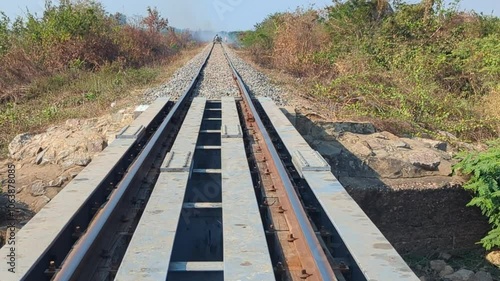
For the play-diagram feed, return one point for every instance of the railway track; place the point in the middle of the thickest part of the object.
(212, 186)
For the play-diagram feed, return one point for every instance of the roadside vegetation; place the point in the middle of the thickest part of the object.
(413, 68)
(75, 60)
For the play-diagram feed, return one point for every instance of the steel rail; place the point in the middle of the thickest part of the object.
(72, 262)
(324, 268)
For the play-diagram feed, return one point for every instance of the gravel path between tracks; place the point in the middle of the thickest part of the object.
(214, 81)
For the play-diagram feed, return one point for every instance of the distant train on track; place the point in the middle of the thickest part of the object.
(218, 39)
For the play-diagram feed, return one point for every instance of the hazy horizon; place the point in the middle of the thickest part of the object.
(215, 15)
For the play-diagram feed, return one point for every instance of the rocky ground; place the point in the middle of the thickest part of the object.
(440, 269)
(405, 185)
(45, 162)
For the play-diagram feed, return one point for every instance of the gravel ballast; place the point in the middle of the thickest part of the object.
(180, 80)
(216, 79)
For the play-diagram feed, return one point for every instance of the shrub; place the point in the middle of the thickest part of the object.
(434, 68)
(261, 41)
(484, 171)
(298, 42)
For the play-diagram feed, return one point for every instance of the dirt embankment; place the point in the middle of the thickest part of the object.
(426, 220)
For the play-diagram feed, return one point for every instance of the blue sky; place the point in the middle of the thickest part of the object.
(215, 14)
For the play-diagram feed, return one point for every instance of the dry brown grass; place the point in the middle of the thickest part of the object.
(88, 95)
(490, 107)
(492, 104)
(127, 46)
(297, 38)
(17, 69)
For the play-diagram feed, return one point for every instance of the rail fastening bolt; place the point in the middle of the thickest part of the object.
(304, 274)
(52, 266)
(51, 270)
(279, 267)
(78, 232)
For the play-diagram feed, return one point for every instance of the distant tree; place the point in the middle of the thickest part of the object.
(120, 18)
(428, 4)
(154, 22)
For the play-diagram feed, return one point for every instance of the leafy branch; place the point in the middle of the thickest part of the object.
(484, 171)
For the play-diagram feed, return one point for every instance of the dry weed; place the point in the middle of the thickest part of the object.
(297, 39)
(490, 107)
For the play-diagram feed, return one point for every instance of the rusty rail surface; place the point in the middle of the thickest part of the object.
(308, 254)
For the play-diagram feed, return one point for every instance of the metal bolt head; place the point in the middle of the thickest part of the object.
(77, 233)
(51, 270)
(280, 267)
(304, 274)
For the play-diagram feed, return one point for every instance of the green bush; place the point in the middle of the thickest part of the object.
(263, 34)
(260, 41)
(76, 54)
(433, 67)
(65, 21)
(484, 171)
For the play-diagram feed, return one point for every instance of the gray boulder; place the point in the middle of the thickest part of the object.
(461, 275)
